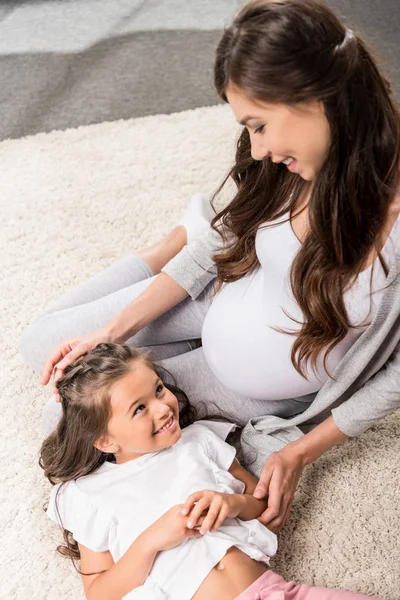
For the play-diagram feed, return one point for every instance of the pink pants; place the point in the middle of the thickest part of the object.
(271, 586)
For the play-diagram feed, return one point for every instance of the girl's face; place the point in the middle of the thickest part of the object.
(282, 132)
(145, 416)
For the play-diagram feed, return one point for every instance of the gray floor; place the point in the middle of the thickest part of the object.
(65, 63)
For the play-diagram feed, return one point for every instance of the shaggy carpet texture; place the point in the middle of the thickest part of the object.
(74, 201)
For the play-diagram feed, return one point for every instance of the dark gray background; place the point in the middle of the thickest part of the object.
(65, 63)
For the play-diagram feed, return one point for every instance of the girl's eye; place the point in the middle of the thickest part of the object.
(140, 407)
(159, 389)
(259, 129)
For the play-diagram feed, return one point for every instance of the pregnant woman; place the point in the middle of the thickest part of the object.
(304, 327)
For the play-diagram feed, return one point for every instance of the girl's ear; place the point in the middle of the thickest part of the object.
(106, 444)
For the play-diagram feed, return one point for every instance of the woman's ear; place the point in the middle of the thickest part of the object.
(106, 444)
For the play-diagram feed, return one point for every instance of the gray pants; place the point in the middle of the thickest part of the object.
(172, 338)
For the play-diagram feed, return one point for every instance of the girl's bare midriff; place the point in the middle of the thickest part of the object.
(235, 572)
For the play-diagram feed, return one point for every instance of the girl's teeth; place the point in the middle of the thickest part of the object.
(168, 425)
(287, 161)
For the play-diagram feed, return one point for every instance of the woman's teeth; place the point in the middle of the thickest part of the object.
(287, 161)
(167, 425)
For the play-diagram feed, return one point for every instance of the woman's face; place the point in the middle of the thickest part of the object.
(282, 132)
(145, 415)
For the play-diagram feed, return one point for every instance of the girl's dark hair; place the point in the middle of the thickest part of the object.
(84, 388)
(295, 51)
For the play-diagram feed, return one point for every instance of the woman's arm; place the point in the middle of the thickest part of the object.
(161, 295)
(187, 274)
(282, 470)
(193, 268)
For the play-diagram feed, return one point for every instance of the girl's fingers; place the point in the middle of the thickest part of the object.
(190, 501)
(197, 511)
(220, 519)
(212, 515)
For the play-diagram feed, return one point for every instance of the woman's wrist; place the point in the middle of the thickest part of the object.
(316, 442)
(115, 333)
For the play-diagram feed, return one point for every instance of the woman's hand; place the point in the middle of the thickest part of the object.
(215, 507)
(66, 352)
(278, 482)
(170, 530)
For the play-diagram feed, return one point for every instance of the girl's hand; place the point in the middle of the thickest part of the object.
(66, 352)
(278, 482)
(217, 507)
(170, 530)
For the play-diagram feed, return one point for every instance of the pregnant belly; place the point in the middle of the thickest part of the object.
(246, 353)
(233, 574)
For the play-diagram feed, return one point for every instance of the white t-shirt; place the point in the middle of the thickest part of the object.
(242, 334)
(110, 508)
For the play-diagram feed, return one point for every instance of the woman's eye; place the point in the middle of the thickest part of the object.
(139, 408)
(259, 129)
(159, 388)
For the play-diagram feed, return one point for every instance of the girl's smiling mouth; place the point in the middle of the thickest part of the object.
(170, 425)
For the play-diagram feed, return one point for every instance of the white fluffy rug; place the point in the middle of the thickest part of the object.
(71, 203)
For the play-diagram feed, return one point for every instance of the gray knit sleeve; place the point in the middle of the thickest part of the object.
(378, 397)
(193, 268)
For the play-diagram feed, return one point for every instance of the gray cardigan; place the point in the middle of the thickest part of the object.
(366, 383)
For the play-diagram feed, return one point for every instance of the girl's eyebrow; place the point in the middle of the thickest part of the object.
(142, 397)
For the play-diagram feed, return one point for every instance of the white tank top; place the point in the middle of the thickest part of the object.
(240, 345)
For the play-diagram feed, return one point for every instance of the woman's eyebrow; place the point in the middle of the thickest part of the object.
(158, 380)
(244, 121)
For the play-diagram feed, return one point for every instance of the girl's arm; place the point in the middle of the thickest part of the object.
(252, 507)
(133, 568)
(214, 507)
(118, 578)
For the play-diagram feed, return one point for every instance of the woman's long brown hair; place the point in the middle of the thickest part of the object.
(294, 51)
(69, 452)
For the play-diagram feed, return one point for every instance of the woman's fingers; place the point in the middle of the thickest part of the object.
(54, 359)
(50, 364)
(277, 523)
(275, 494)
(287, 513)
(261, 489)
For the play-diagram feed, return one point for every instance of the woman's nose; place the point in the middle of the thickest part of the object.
(258, 151)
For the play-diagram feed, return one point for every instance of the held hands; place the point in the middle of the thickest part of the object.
(278, 481)
(208, 509)
(66, 352)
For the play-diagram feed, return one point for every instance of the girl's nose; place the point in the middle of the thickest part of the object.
(161, 410)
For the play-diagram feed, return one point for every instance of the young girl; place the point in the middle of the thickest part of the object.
(158, 506)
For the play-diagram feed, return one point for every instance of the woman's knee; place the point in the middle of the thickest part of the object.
(51, 415)
(34, 345)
